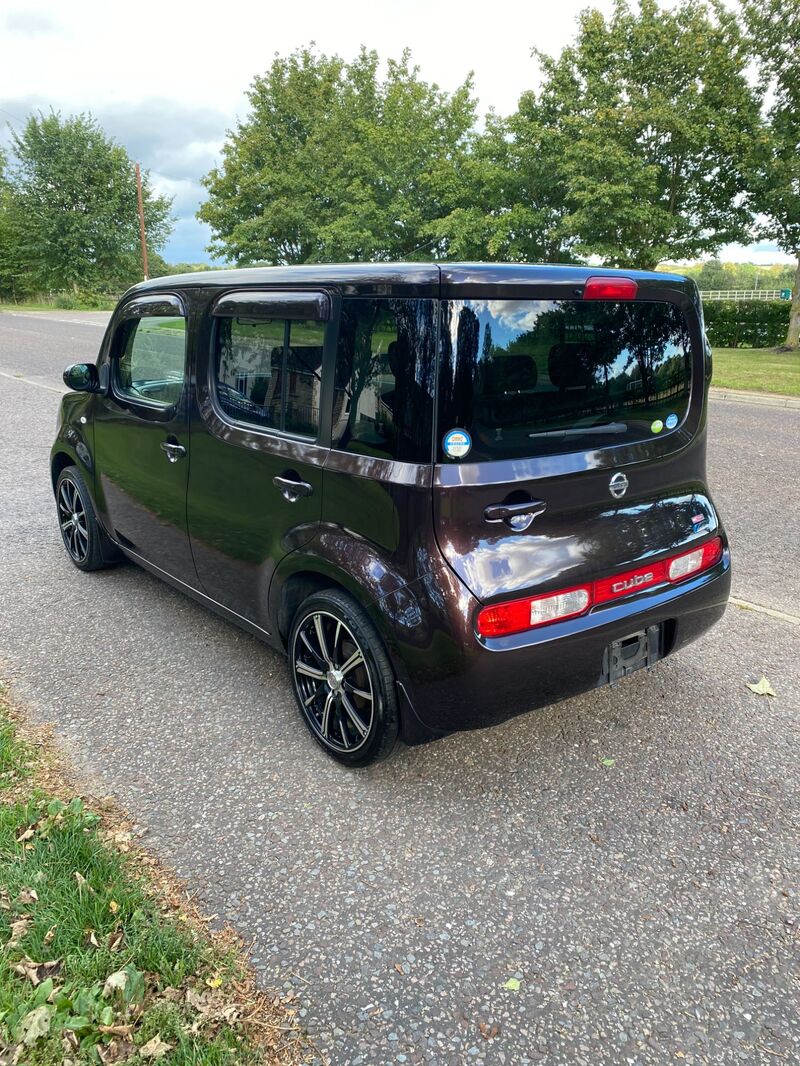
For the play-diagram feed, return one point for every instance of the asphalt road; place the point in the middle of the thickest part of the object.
(649, 910)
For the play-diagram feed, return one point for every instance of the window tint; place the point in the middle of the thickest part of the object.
(528, 377)
(269, 372)
(383, 400)
(151, 363)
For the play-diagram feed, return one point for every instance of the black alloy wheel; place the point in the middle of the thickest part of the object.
(342, 679)
(86, 544)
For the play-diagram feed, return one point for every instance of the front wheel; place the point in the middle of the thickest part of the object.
(342, 679)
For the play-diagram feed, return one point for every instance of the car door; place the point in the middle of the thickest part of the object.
(258, 440)
(141, 435)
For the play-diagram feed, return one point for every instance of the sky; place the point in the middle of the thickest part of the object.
(167, 80)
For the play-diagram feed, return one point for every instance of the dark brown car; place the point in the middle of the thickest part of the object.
(450, 493)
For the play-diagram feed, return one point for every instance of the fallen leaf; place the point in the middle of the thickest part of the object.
(28, 895)
(83, 883)
(117, 1050)
(194, 999)
(117, 1030)
(18, 930)
(10, 1056)
(398, 967)
(91, 939)
(488, 1032)
(155, 1048)
(512, 984)
(113, 906)
(213, 982)
(49, 936)
(114, 981)
(762, 688)
(25, 834)
(35, 1025)
(36, 972)
(115, 940)
(607, 761)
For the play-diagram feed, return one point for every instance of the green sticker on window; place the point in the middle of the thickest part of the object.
(657, 426)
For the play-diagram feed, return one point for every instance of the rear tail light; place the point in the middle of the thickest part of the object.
(695, 561)
(514, 617)
(610, 289)
(503, 619)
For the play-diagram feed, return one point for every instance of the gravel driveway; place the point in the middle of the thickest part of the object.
(500, 896)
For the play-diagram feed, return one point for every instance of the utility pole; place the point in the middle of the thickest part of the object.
(141, 220)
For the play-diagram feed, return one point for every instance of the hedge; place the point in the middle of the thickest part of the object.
(747, 324)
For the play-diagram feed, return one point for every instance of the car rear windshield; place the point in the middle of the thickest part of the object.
(536, 377)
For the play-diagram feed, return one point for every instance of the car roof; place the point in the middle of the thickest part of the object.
(419, 279)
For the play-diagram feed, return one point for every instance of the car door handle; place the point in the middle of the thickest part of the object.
(292, 488)
(517, 516)
(174, 451)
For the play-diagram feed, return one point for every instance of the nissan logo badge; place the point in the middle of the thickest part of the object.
(618, 485)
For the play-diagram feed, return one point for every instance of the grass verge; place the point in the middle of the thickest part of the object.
(757, 369)
(67, 303)
(103, 957)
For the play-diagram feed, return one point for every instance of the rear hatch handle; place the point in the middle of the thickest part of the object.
(517, 516)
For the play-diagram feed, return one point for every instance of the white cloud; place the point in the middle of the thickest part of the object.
(763, 253)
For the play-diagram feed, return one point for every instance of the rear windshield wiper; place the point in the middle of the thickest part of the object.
(583, 431)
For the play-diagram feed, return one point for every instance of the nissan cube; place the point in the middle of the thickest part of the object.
(447, 493)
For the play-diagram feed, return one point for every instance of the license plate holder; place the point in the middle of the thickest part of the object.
(637, 651)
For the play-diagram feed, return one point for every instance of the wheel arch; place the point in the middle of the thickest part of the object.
(59, 461)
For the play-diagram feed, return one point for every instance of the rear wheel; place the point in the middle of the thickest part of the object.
(86, 544)
(342, 679)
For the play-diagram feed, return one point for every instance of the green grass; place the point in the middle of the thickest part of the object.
(757, 369)
(27, 307)
(74, 912)
(63, 302)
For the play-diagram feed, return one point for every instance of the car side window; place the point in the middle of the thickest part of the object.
(150, 366)
(269, 372)
(384, 382)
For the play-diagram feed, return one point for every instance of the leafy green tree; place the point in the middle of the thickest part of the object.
(638, 139)
(12, 273)
(337, 162)
(509, 207)
(72, 207)
(775, 29)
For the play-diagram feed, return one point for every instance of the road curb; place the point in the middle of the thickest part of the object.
(764, 399)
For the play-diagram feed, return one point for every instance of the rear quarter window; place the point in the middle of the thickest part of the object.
(536, 377)
(384, 381)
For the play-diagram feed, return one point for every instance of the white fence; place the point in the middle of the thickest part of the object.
(743, 294)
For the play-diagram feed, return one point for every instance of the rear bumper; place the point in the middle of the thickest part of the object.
(486, 681)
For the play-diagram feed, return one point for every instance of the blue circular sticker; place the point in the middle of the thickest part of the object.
(457, 443)
(671, 421)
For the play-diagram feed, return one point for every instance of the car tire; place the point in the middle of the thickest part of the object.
(86, 544)
(342, 679)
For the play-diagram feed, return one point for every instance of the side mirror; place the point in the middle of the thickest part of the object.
(82, 377)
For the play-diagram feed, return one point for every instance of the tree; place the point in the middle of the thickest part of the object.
(72, 207)
(775, 30)
(509, 205)
(11, 270)
(647, 123)
(336, 162)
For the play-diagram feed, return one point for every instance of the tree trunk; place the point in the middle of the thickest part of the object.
(793, 336)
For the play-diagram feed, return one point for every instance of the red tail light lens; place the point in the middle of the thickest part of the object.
(503, 619)
(514, 617)
(610, 289)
